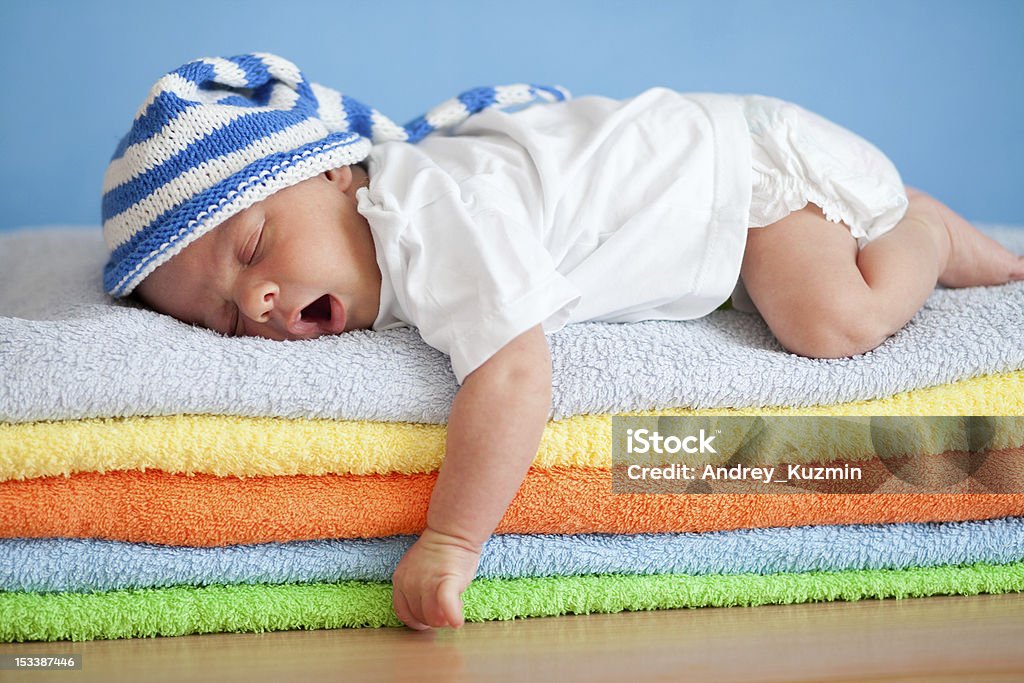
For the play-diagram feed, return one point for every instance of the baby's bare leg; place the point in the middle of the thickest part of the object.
(824, 298)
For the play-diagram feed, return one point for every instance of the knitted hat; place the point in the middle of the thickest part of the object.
(217, 135)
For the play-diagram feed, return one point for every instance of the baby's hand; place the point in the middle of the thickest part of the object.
(430, 579)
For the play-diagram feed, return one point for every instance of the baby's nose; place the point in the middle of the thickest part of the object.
(260, 302)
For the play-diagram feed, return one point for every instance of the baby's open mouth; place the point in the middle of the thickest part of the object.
(325, 315)
(318, 311)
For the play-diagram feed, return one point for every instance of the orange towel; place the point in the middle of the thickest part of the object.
(205, 510)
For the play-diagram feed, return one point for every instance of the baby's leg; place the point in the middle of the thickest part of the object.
(824, 298)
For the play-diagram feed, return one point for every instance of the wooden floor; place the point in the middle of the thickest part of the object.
(931, 639)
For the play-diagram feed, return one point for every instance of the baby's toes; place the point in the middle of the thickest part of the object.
(1018, 270)
(978, 260)
(1012, 268)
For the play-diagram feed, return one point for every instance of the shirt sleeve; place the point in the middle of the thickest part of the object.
(475, 280)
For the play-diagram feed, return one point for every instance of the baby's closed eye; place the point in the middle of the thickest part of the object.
(253, 245)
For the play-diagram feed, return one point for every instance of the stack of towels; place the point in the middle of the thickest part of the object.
(158, 479)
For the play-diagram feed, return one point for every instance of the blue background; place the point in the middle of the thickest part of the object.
(937, 85)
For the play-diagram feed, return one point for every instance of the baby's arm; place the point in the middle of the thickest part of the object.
(494, 429)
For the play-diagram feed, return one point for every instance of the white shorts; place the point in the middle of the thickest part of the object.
(799, 157)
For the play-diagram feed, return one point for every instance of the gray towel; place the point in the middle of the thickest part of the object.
(69, 352)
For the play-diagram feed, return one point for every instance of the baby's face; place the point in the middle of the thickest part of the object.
(297, 265)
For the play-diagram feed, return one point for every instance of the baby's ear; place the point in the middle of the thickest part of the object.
(341, 177)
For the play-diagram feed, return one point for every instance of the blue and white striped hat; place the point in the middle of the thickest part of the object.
(217, 135)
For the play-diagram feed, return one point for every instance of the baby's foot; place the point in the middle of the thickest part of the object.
(975, 259)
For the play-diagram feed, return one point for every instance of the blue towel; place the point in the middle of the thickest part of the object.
(46, 565)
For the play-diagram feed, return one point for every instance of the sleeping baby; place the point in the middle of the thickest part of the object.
(251, 201)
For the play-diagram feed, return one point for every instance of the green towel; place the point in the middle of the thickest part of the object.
(255, 608)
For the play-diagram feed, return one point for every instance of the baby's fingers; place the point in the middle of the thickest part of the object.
(401, 605)
(450, 602)
(433, 612)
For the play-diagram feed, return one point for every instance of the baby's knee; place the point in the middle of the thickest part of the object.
(830, 329)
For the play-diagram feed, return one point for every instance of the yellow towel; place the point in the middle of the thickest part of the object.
(225, 445)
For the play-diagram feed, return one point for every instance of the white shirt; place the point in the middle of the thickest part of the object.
(587, 210)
